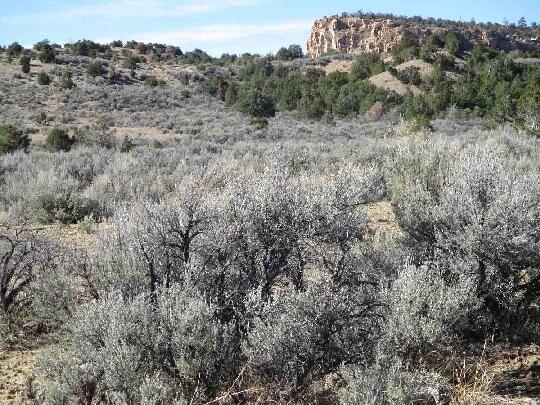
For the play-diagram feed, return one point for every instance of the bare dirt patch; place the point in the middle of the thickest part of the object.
(424, 68)
(387, 81)
(382, 221)
(74, 234)
(338, 66)
(518, 372)
(514, 376)
(16, 367)
(148, 133)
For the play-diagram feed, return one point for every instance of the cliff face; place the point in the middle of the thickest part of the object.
(359, 35)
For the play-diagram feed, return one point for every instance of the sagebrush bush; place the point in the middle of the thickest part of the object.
(157, 244)
(389, 383)
(233, 242)
(50, 187)
(48, 197)
(56, 297)
(425, 307)
(120, 348)
(301, 337)
(480, 211)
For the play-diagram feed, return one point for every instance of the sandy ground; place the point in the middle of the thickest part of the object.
(425, 68)
(338, 66)
(386, 81)
(16, 367)
(382, 221)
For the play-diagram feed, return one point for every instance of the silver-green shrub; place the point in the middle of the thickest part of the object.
(478, 208)
(118, 350)
(301, 337)
(425, 308)
(187, 293)
(390, 383)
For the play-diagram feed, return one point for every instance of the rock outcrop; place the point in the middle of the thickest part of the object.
(359, 35)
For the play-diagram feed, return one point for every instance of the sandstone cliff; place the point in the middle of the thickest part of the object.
(358, 35)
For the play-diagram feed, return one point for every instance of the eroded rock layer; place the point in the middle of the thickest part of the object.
(359, 35)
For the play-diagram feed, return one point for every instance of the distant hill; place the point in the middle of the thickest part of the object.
(360, 33)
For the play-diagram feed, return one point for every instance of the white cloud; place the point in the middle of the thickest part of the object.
(223, 32)
(130, 9)
(217, 39)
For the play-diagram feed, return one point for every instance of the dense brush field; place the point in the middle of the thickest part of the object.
(158, 246)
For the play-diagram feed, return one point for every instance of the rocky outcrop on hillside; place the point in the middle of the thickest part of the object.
(359, 35)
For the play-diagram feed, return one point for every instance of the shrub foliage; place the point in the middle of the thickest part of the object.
(12, 139)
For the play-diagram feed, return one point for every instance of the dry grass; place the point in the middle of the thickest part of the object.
(73, 235)
(473, 380)
(491, 376)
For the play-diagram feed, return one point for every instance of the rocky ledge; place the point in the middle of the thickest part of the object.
(359, 35)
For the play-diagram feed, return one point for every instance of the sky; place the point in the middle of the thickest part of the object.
(219, 26)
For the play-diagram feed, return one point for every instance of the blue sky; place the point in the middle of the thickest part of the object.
(219, 26)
